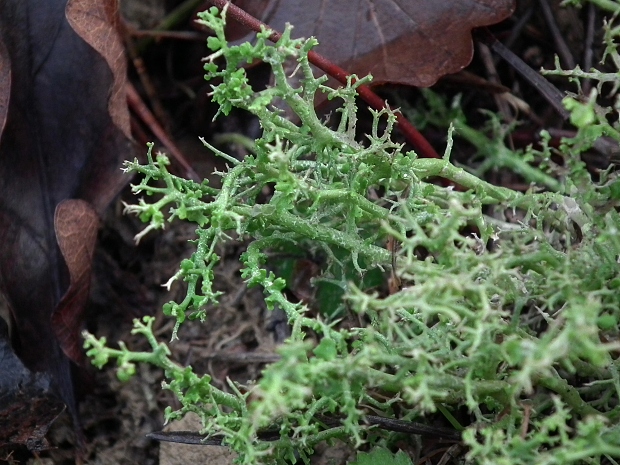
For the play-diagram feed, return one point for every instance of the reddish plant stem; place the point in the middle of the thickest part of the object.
(413, 136)
(140, 108)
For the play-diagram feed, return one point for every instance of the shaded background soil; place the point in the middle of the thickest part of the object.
(240, 336)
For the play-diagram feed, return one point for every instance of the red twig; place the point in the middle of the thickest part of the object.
(413, 136)
(138, 106)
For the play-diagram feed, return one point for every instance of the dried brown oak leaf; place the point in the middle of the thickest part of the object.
(64, 132)
(411, 42)
(75, 223)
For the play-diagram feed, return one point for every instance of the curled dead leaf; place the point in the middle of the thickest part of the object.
(64, 134)
(5, 84)
(75, 223)
(96, 23)
(412, 42)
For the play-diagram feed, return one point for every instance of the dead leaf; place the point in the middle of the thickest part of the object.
(5, 83)
(412, 42)
(65, 137)
(76, 225)
(96, 23)
(302, 285)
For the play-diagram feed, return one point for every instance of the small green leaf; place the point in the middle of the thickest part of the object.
(381, 456)
(581, 115)
(326, 350)
(214, 43)
(607, 322)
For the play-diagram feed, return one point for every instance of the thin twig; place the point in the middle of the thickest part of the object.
(175, 35)
(518, 27)
(145, 79)
(588, 53)
(551, 93)
(493, 76)
(389, 424)
(243, 357)
(138, 106)
(413, 136)
(563, 50)
(173, 18)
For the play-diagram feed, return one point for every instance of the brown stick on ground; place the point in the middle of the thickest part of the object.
(413, 136)
(138, 106)
(547, 90)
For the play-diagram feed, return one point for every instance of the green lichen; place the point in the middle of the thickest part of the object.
(513, 320)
